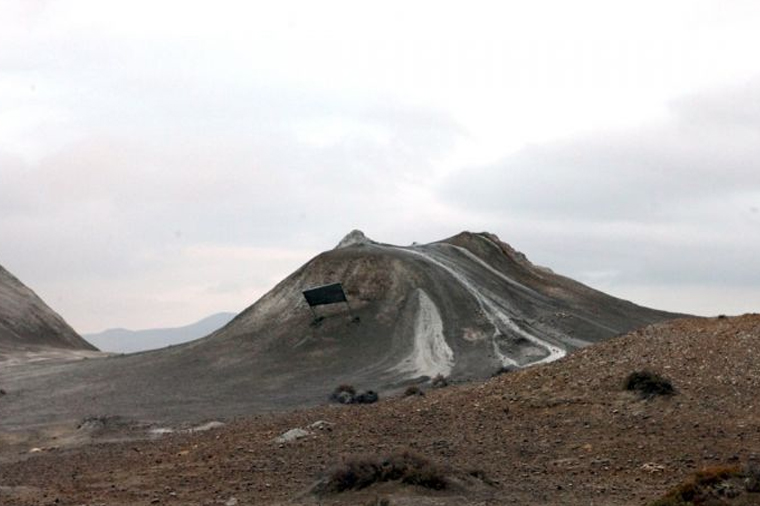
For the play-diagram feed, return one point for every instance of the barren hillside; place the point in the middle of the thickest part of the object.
(463, 308)
(27, 323)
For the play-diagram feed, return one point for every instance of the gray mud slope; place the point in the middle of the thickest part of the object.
(27, 323)
(463, 307)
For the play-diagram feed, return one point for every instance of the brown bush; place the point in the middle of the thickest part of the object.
(707, 486)
(367, 397)
(343, 394)
(752, 478)
(345, 388)
(413, 390)
(355, 473)
(439, 381)
(648, 384)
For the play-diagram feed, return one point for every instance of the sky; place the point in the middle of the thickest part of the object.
(161, 161)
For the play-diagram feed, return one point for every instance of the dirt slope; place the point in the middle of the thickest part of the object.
(463, 308)
(27, 323)
(562, 433)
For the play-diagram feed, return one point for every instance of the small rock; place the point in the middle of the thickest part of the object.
(651, 467)
(292, 435)
(321, 425)
(207, 426)
(160, 431)
(232, 501)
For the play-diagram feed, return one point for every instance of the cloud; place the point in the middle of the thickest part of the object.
(705, 152)
(118, 214)
(670, 204)
(132, 133)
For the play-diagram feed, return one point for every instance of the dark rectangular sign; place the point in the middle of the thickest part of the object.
(328, 294)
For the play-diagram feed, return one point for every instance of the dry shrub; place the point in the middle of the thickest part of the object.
(752, 477)
(356, 473)
(353, 474)
(708, 486)
(343, 394)
(368, 397)
(414, 469)
(413, 390)
(648, 384)
(345, 388)
(346, 394)
(439, 381)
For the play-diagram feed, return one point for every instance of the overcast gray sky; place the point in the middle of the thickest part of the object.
(161, 160)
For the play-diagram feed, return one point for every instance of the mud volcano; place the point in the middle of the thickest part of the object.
(463, 307)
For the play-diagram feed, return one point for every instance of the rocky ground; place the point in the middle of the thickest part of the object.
(563, 433)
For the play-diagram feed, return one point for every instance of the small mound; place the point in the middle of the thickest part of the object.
(354, 238)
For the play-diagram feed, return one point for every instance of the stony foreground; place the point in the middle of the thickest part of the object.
(563, 433)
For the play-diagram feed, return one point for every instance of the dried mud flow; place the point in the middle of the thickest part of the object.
(463, 307)
(564, 433)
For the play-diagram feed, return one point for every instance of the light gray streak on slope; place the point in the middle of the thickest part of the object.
(489, 304)
(431, 354)
(469, 254)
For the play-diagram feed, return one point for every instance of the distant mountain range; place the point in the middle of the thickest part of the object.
(131, 341)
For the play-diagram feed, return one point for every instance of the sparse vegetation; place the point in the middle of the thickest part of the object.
(368, 397)
(648, 384)
(346, 394)
(715, 485)
(346, 388)
(752, 478)
(413, 390)
(439, 381)
(356, 473)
